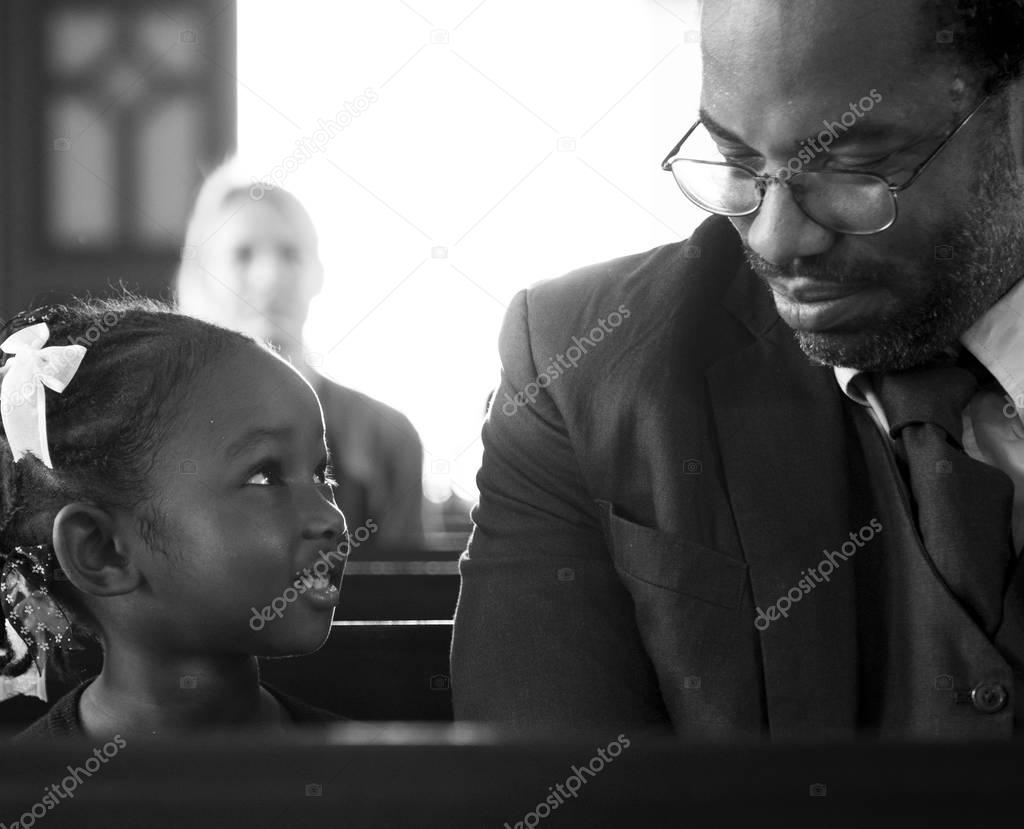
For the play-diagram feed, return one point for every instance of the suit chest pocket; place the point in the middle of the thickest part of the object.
(674, 563)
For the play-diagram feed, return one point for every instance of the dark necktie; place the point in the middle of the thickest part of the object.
(963, 506)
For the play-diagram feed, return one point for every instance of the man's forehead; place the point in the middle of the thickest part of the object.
(780, 47)
(779, 68)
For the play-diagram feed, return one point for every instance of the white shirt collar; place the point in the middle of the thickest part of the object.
(996, 339)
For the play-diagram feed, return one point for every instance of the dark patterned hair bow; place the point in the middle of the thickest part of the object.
(23, 319)
(32, 616)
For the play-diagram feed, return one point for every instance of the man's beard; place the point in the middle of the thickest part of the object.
(987, 259)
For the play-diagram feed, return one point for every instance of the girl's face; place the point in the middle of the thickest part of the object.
(261, 271)
(243, 508)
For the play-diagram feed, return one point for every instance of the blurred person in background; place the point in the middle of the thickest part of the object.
(250, 262)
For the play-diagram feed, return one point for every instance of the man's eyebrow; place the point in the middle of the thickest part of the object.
(713, 126)
(865, 131)
(254, 436)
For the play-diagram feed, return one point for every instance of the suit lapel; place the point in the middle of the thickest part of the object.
(1010, 636)
(781, 434)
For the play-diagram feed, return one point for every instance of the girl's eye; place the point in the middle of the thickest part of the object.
(271, 474)
(267, 474)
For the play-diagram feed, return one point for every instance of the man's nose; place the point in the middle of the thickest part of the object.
(781, 232)
(263, 274)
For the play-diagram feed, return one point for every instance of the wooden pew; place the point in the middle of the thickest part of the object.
(395, 670)
(374, 590)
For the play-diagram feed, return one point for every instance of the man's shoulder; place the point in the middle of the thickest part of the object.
(355, 399)
(351, 406)
(672, 295)
(699, 268)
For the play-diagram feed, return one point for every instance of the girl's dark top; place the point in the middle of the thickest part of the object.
(62, 719)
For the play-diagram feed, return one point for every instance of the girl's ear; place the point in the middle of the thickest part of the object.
(84, 540)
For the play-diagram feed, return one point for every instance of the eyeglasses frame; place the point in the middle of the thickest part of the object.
(762, 180)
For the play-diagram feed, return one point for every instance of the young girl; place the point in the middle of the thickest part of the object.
(163, 483)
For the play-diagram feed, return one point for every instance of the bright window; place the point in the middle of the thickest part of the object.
(452, 153)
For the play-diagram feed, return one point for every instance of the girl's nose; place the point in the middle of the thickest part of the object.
(326, 522)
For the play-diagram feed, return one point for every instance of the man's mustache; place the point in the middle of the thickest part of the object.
(814, 269)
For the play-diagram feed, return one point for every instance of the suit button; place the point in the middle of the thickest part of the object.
(989, 697)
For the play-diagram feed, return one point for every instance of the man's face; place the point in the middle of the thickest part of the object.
(773, 73)
(260, 272)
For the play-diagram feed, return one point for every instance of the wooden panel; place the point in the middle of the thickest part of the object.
(398, 596)
(373, 672)
(115, 102)
(382, 671)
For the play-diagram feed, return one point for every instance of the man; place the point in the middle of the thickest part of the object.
(768, 481)
(251, 263)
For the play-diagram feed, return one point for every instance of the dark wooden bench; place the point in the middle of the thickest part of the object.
(396, 670)
(398, 590)
(374, 671)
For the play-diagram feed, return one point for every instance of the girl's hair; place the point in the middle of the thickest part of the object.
(225, 186)
(104, 429)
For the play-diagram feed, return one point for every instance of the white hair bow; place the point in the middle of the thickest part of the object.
(27, 374)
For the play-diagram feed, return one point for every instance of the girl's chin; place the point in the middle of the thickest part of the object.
(297, 642)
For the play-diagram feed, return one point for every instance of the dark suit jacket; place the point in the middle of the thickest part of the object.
(634, 516)
(378, 461)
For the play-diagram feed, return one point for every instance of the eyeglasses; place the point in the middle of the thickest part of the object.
(845, 201)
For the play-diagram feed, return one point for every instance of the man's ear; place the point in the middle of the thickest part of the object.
(85, 542)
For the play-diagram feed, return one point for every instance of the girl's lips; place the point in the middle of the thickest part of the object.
(323, 597)
(308, 579)
(333, 572)
(318, 588)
